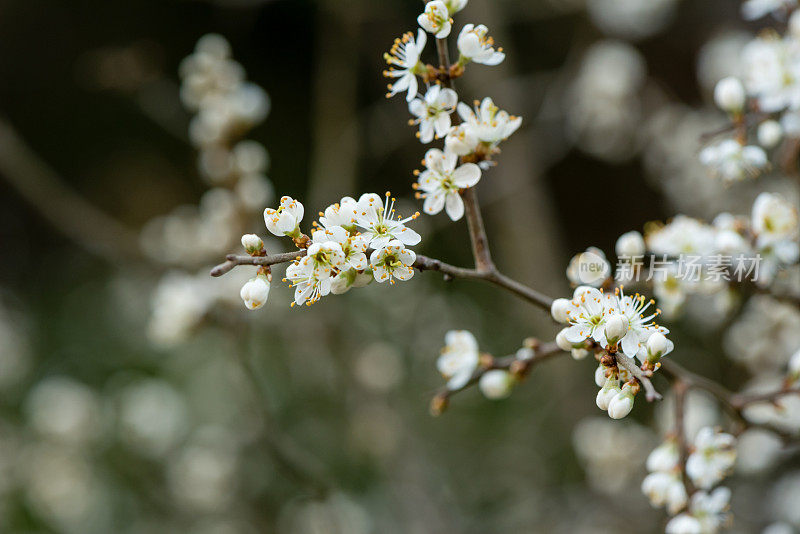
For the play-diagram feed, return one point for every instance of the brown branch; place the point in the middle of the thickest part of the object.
(643, 377)
(233, 260)
(477, 231)
(742, 400)
(423, 263)
(733, 403)
(520, 368)
(680, 389)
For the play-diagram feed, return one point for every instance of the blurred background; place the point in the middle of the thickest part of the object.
(137, 394)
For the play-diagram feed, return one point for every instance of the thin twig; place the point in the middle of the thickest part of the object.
(734, 404)
(423, 263)
(681, 388)
(509, 363)
(650, 392)
(477, 231)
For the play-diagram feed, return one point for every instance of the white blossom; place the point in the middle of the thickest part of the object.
(665, 488)
(665, 457)
(459, 358)
(713, 457)
(436, 19)
(441, 183)
(343, 213)
(285, 220)
(454, 6)
(461, 140)
(774, 219)
(309, 285)
(353, 246)
(772, 71)
(404, 62)
(377, 221)
(589, 268)
(433, 111)
(733, 162)
(392, 261)
(489, 123)
(475, 45)
(755, 9)
(587, 315)
(255, 292)
(684, 524)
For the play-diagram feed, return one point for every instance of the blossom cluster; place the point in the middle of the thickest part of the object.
(711, 458)
(354, 242)
(357, 241)
(226, 108)
(767, 239)
(472, 136)
(619, 326)
(766, 96)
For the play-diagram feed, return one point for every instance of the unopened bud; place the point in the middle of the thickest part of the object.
(252, 243)
(657, 346)
(607, 392)
(794, 367)
(630, 244)
(729, 95)
(255, 292)
(559, 310)
(562, 341)
(496, 384)
(769, 133)
(622, 403)
(616, 328)
(600, 375)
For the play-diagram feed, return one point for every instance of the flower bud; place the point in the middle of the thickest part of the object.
(524, 354)
(729, 95)
(630, 244)
(616, 328)
(600, 375)
(769, 133)
(559, 310)
(255, 292)
(622, 404)
(657, 346)
(252, 243)
(607, 392)
(579, 354)
(794, 367)
(562, 342)
(496, 384)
